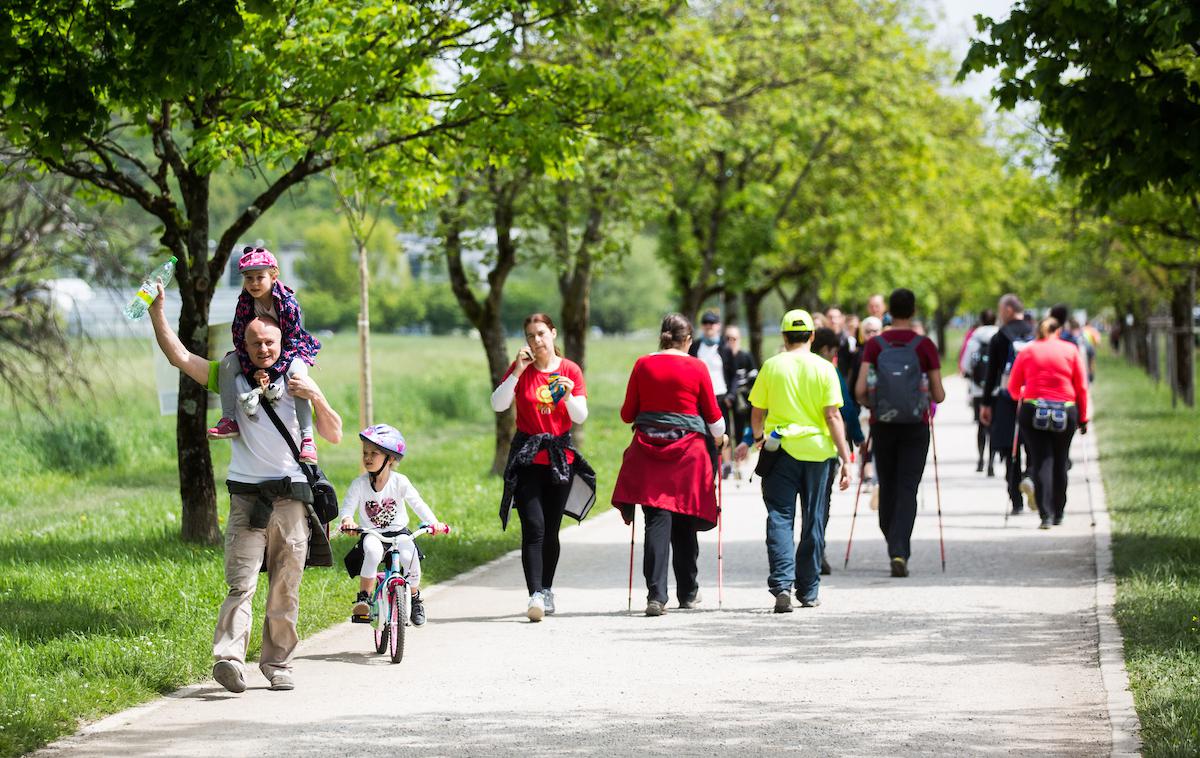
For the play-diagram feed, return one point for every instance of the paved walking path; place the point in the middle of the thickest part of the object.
(998, 655)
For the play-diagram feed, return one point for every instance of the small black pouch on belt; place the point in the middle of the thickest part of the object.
(766, 461)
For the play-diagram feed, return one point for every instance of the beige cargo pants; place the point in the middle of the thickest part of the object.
(284, 547)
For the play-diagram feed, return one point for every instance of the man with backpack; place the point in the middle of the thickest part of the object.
(973, 364)
(902, 378)
(999, 409)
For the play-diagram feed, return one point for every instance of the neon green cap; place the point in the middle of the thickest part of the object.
(796, 320)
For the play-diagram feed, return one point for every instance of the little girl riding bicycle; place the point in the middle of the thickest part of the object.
(379, 498)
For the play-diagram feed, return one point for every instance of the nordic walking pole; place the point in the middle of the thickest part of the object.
(632, 531)
(937, 483)
(1087, 478)
(720, 545)
(858, 492)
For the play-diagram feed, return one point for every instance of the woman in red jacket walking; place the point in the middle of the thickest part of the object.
(1051, 381)
(669, 467)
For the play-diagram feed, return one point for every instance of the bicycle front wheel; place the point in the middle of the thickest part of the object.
(397, 620)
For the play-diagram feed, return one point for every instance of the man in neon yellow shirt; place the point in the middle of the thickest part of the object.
(796, 397)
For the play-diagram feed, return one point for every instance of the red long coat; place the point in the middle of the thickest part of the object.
(673, 475)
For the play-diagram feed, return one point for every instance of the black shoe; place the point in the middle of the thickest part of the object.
(1016, 511)
(1058, 520)
(991, 470)
(1045, 524)
(825, 569)
(362, 605)
(979, 466)
(899, 567)
(417, 615)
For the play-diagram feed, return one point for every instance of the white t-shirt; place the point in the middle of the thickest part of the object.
(260, 453)
(384, 510)
(711, 355)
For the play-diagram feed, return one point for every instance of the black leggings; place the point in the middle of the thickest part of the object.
(1049, 454)
(540, 502)
(667, 532)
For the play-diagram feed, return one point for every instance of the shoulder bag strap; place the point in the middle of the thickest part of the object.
(287, 437)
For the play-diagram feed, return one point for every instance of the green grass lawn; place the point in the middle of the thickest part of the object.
(1150, 455)
(103, 607)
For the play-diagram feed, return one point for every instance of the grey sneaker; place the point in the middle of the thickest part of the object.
(282, 681)
(783, 602)
(229, 676)
(692, 602)
(548, 601)
(655, 608)
(813, 603)
(537, 607)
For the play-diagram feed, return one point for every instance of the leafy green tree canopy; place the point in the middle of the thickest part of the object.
(1119, 80)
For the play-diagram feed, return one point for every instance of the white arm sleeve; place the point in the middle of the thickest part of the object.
(717, 428)
(577, 408)
(502, 398)
(413, 499)
(351, 500)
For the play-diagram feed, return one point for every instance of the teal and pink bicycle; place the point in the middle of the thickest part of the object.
(390, 603)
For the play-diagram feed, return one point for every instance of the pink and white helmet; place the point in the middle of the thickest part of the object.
(385, 437)
(254, 258)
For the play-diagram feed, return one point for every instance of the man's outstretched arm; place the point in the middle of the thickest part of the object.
(179, 356)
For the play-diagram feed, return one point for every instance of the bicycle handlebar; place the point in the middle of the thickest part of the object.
(424, 529)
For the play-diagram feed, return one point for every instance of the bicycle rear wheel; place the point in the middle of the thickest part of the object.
(396, 621)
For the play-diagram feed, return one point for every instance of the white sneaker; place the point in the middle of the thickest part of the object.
(1026, 489)
(537, 607)
(548, 601)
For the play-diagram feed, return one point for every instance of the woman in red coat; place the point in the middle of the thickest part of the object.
(668, 468)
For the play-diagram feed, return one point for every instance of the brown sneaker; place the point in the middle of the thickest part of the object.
(899, 567)
(655, 608)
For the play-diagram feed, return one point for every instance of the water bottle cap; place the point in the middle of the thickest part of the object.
(174, 259)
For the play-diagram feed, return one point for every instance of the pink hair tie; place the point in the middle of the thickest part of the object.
(256, 258)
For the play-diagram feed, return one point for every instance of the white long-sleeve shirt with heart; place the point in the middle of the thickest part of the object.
(385, 509)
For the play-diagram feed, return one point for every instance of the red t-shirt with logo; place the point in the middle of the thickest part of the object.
(537, 413)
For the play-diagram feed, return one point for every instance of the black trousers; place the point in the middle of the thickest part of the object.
(1004, 422)
(900, 451)
(539, 501)
(1049, 455)
(667, 532)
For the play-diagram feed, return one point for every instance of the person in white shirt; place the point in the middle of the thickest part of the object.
(270, 508)
(714, 352)
(380, 499)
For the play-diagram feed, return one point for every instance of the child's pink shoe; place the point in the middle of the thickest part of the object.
(308, 451)
(226, 429)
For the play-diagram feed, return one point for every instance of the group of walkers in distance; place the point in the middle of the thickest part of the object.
(800, 410)
(1029, 388)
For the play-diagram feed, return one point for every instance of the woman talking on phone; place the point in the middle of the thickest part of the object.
(549, 394)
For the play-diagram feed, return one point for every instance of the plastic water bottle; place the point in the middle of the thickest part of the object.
(773, 441)
(149, 290)
(871, 380)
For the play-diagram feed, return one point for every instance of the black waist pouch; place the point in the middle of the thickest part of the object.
(766, 461)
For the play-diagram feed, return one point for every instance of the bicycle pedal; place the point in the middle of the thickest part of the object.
(360, 619)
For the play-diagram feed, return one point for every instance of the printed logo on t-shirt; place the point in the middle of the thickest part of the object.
(544, 398)
(381, 514)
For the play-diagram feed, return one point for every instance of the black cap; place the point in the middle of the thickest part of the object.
(710, 317)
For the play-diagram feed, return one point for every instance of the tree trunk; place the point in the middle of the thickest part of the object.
(366, 403)
(753, 300)
(485, 315)
(1183, 344)
(197, 491)
(941, 318)
(729, 305)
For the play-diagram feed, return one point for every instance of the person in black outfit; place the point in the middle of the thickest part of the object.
(741, 380)
(999, 409)
(712, 349)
